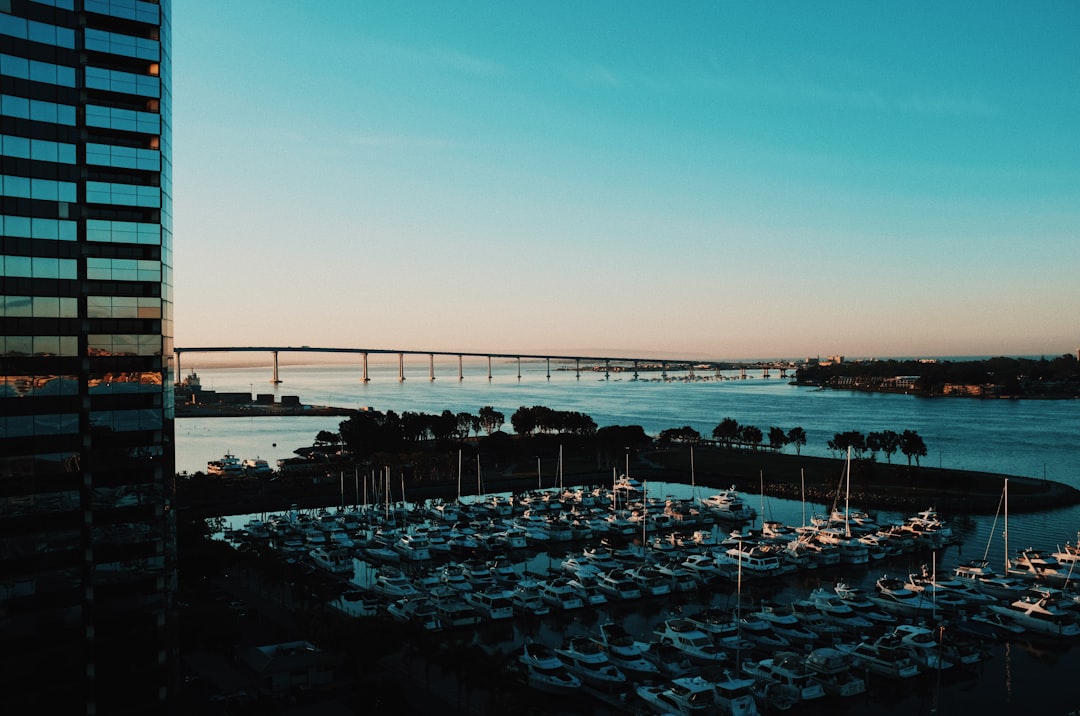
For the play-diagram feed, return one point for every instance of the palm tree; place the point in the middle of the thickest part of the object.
(912, 445)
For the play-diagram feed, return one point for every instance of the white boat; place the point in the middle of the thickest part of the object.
(784, 624)
(885, 656)
(560, 595)
(685, 636)
(682, 696)
(257, 466)
(412, 547)
(894, 597)
(392, 584)
(760, 632)
(735, 696)
(526, 598)
(832, 669)
(836, 611)
(679, 578)
(416, 610)
(856, 598)
(1043, 616)
(728, 505)
(588, 590)
(649, 580)
(925, 646)
(788, 668)
(337, 560)
(228, 465)
(627, 653)
(810, 616)
(1039, 566)
(616, 587)
(453, 610)
(584, 658)
(544, 671)
(494, 603)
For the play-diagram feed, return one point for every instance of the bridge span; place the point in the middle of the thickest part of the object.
(594, 363)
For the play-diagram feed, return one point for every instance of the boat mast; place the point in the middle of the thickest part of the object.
(847, 495)
(802, 480)
(1006, 526)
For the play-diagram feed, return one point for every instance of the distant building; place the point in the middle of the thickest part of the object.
(87, 533)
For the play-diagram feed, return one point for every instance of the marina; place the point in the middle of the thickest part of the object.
(1015, 668)
(628, 650)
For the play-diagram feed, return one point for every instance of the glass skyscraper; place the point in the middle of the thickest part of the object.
(87, 534)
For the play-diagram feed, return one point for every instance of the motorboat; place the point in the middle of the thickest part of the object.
(784, 624)
(412, 547)
(789, 668)
(588, 590)
(810, 616)
(760, 632)
(753, 561)
(228, 465)
(560, 595)
(1039, 566)
(453, 610)
(857, 599)
(986, 580)
(679, 578)
(885, 656)
(392, 584)
(416, 610)
(704, 568)
(836, 611)
(684, 635)
(832, 668)
(925, 646)
(526, 598)
(452, 576)
(723, 627)
(584, 658)
(493, 603)
(893, 596)
(729, 506)
(943, 598)
(734, 695)
(1043, 616)
(649, 580)
(336, 560)
(682, 696)
(616, 587)
(544, 671)
(627, 653)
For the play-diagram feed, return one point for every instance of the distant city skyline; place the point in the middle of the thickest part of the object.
(723, 180)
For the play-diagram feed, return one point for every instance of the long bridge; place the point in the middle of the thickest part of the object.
(607, 363)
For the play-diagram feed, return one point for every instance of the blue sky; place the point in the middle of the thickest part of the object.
(714, 179)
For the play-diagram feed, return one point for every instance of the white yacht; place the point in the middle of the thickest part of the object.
(560, 595)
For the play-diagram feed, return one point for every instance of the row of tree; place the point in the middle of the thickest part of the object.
(369, 431)
(908, 442)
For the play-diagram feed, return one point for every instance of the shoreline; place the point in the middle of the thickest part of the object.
(873, 486)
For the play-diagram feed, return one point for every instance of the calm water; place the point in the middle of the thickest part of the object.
(1027, 438)
(1015, 437)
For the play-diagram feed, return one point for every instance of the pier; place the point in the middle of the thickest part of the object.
(603, 364)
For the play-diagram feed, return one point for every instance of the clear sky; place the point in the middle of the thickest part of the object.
(701, 178)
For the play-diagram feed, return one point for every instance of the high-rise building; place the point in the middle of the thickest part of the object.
(87, 535)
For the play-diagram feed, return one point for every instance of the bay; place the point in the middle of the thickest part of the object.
(1030, 438)
(1017, 437)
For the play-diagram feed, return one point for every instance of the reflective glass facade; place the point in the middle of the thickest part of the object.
(87, 534)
